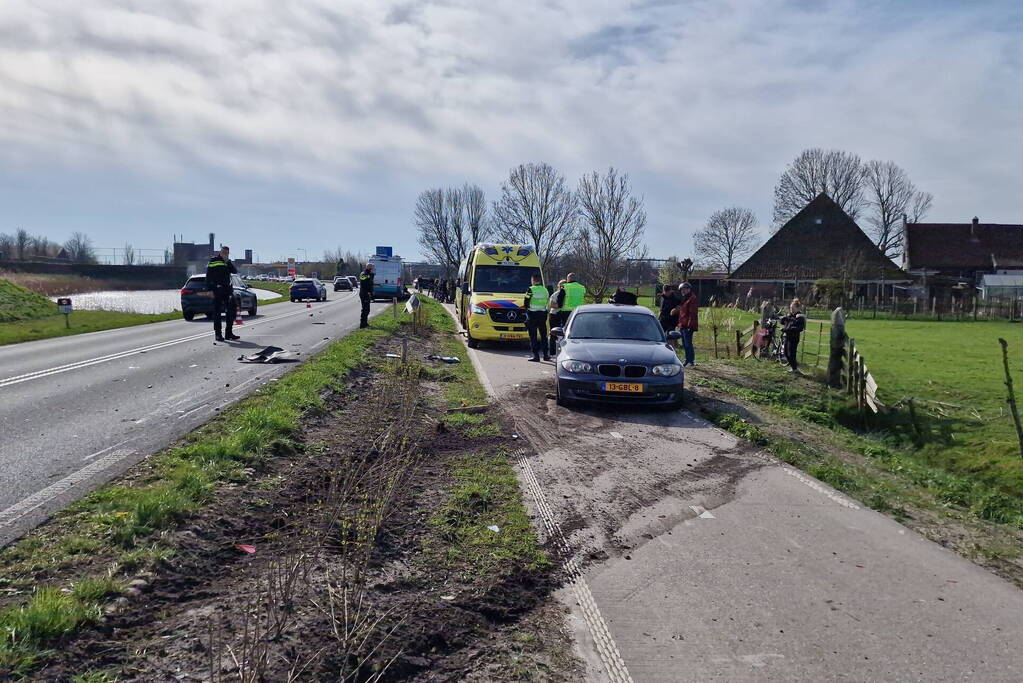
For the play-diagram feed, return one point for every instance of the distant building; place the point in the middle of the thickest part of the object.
(951, 259)
(821, 242)
(196, 256)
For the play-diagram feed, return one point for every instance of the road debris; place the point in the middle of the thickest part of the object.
(494, 528)
(270, 354)
(446, 359)
(250, 549)
(468, 409)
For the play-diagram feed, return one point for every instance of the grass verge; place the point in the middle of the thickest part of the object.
(118, 526)
(486, 492)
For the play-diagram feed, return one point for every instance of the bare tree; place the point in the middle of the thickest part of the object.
(613, 221)
(921, 205)
(477, 225)
(454, 204)
(344, 259)
(438, 239)
(7, 246)
(79, 248)
(22, 242)
(730, 235)
(129, 254)
(890, 194)
(833, 172)
(536, 207)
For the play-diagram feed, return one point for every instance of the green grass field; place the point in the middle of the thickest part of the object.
(18, 303)
(954, 371)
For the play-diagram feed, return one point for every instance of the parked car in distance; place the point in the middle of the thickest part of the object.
(196, 297)
(616, 353)
(342, 284)
(307, 288)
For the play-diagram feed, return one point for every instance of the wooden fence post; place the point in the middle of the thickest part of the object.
(738, 343)
(820, 338)
(850, 364)
(1011, 400)
(715, 330)
(862, 385)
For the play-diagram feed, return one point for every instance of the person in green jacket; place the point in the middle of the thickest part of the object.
(535, 304)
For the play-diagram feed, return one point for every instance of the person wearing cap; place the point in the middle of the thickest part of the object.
(688, 314)
(218, 278)
(366, 293)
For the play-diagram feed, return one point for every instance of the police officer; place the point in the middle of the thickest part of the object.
(366, 292)
(218, 279)
(536, 319)
(575, 294)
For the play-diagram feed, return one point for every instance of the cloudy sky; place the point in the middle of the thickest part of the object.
(311, 123)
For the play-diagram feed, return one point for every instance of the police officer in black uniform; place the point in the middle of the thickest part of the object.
(218, 278)
(366, 292)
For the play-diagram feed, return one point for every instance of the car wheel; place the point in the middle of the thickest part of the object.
(187, 315)
(470, 342)
(292, 299)
(252, 311)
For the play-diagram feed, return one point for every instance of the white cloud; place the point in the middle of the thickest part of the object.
(711, 99)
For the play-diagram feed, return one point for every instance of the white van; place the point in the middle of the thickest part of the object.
(387, 283)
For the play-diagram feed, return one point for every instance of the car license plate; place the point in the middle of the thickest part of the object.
(206, 293)
(627, 387)
(512, 335)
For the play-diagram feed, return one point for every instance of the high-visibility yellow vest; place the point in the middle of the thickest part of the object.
(538, 298)
(575, 294)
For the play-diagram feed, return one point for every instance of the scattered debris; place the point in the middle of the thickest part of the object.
(515, 436)
(447, 597)
(271, 354)
(391, 355)
(494, 528)
(318, 322)
(250, 549)
(617, 435)
(468, 409)
(446, 359)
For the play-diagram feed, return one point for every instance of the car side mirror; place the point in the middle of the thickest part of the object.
(558, 332)
(674, 334)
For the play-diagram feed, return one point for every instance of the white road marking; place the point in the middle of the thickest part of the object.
(40, 498)
(39, 374)
(701, 512)
(186, 414)
(617, 435)
(238, 387)
(319, 343)
(812, 483)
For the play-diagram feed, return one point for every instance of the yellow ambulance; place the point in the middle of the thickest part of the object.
(494, 282)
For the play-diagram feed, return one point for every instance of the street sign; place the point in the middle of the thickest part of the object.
(387, 252)
(64, 305)
(291, 266)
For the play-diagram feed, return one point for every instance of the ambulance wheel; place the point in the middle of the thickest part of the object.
(470, 342)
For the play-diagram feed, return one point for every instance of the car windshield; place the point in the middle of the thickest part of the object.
(196, 283)
(505, 279)
(616, 325)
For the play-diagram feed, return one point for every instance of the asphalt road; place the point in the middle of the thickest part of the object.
(699, 558)
(77, 411)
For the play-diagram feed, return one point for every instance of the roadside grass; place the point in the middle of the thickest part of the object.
(79, 321)
(905, 470)
(19, 303)
(124, 521)
(486, 490)
(954, 373)
(27, 316)
(486, 494)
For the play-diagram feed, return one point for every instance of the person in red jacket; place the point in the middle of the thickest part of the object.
(688, 314)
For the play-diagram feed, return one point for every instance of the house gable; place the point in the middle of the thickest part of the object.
(821, 241)
(963, 246)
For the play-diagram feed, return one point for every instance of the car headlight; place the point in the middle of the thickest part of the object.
(478, 310)
(669, 370)
(576, 366)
